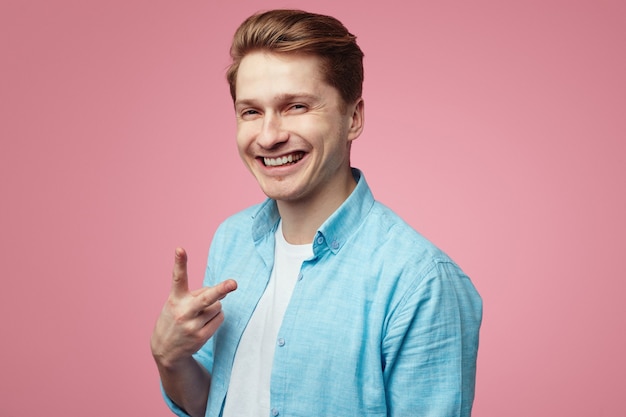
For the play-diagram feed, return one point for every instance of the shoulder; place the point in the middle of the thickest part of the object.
(235, 230)
(392, 233)
(417, 269)
(401, 255)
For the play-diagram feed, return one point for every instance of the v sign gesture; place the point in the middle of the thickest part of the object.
(187, 321)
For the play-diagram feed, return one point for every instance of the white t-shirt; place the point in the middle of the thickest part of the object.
(249, 389)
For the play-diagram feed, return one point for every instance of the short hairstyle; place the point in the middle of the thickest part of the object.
(296, 31)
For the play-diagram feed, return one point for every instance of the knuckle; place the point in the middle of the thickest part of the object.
(179, 312)
(188, 329)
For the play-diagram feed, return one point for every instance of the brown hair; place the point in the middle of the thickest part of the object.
(296, 31)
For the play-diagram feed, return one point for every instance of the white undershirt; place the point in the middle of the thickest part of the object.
(249, 389)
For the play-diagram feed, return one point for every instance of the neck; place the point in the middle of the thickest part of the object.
(302, 218)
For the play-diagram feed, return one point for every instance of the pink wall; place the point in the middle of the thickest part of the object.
(495, 128)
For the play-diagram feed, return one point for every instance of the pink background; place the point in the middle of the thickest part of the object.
(495, 128)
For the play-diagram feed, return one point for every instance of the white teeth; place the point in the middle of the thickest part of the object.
(275, 162)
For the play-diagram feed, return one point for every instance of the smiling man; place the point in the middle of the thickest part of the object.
(340, 307)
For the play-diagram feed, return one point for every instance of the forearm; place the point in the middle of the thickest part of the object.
(187, 384)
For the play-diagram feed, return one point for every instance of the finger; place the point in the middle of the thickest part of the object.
(179, 273)
(210, 312)
(211, 326)
(209, 295)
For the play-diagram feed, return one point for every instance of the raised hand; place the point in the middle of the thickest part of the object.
(188, 318)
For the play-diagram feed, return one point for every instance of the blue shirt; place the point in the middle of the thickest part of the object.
(380, 323)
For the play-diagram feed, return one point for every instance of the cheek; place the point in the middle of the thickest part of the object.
(243, 138)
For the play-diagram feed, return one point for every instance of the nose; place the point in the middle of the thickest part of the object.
(272, 134)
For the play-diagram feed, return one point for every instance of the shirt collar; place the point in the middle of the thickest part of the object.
(335, 231)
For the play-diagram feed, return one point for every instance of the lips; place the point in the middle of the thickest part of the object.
(283, 160)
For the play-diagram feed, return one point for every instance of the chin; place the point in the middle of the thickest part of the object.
(280, 195)
(277, 189)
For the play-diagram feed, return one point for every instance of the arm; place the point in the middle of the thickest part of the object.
(187, 321)
(186, 384)
(431, 345)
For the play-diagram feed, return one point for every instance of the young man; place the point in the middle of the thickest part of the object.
(341, 308)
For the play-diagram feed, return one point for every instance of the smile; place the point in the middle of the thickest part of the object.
(283, 160)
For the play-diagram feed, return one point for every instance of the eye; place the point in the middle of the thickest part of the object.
(247, 114)
(297, 108)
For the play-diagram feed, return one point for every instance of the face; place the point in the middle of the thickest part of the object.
(294, 130)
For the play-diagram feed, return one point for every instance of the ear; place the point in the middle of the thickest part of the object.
(356, 119)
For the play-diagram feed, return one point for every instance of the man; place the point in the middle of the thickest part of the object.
(341, 308)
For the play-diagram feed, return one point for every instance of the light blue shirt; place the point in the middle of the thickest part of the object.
(380, 323)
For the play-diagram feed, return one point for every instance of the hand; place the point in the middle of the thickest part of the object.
(188, 318)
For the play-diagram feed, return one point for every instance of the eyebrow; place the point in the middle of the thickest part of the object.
(281, 98)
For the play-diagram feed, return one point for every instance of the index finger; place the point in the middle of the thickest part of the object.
(180, 287)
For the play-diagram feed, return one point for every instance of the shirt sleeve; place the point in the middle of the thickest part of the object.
(175, 409)
(431, 345)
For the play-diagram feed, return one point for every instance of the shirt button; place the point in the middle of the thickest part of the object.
(300, 276)
(335, 244)
(281, 342)
(274, 412)
(320, 240)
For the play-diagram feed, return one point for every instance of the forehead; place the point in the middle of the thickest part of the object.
(263, 73)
